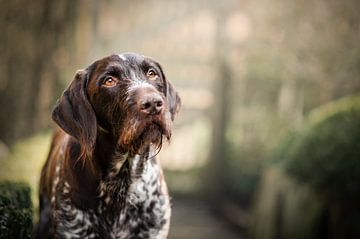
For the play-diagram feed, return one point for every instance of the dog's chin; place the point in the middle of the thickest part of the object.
(151, 134)
(146, 134)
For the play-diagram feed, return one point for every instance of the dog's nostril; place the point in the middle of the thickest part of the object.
(151, 106)
(145, 105)
(159, 103)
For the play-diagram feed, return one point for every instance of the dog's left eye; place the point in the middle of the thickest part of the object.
(151, 74)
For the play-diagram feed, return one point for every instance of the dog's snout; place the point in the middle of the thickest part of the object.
(151, 104)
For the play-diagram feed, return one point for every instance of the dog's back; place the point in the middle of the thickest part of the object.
(45, 227)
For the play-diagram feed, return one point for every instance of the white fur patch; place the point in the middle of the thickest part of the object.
(118, 161)
(122, 57)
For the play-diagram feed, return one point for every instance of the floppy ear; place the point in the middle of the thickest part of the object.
(173, 100)
(172, 97)
(74, 114)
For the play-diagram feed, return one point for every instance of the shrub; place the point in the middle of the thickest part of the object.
(326, 154)
(15, 210)
(311, 189)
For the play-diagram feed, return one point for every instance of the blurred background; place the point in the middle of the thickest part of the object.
(267, 144)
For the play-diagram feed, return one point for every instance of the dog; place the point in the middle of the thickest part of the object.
(101, 178)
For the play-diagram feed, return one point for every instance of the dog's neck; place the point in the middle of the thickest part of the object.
(115, 172)
(108, 153)
(120, 169)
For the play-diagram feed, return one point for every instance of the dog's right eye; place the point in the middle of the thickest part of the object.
(109, 82)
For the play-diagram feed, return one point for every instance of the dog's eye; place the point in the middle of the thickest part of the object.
(109, 82)
(152, 74)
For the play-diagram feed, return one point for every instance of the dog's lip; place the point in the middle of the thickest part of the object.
(154, 120)
(154, 125)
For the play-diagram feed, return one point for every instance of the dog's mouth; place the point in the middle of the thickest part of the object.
(153, 130)
(151, 133)
(141, 134)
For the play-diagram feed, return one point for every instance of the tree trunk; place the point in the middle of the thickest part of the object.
(34, 35)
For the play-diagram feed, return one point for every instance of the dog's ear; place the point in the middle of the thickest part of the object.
(173, 100)
(75, 115)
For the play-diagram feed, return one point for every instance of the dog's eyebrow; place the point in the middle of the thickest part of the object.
(150, 64)
(113, 70)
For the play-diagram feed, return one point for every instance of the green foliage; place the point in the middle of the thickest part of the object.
(311, 187)
(15, 210)
(326, 153)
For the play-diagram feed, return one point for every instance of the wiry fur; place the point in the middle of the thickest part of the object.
(131, 204)
(101, 178)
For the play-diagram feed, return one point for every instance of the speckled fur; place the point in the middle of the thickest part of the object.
(101, 178)
(142, 208)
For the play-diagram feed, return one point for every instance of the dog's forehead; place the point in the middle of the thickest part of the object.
(127, 60)
(129, 64)
(132, 57)
(123, 59)
(136, 60)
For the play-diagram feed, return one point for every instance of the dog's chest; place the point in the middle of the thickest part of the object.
(143, 210)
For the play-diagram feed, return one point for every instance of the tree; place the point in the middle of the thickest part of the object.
(34, 36)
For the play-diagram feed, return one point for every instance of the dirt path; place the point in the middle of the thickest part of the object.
(194, 220)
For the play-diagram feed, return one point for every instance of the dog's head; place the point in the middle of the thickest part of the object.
(126, 96)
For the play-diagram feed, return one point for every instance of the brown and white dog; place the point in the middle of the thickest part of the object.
(101, 178)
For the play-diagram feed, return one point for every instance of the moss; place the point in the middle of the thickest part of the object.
(15, 210)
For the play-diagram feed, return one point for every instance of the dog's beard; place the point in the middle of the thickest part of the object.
(138, 134)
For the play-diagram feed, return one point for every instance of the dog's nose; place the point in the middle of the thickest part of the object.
(151, 104)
